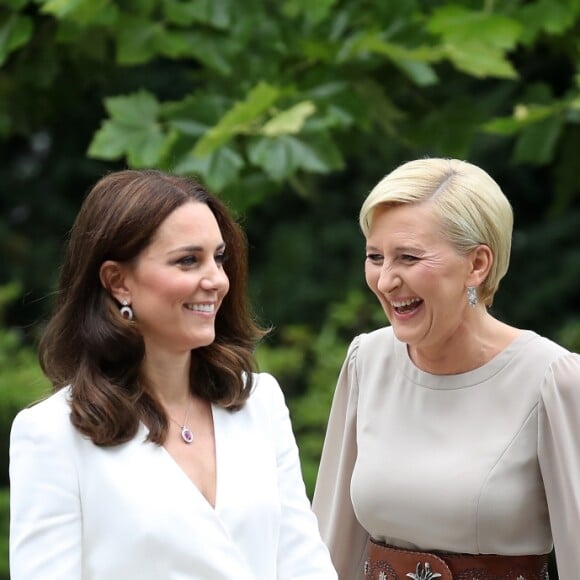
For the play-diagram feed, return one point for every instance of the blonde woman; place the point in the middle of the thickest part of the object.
(453, 445)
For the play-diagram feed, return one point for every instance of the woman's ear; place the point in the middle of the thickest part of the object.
(481, 261)
(112, 276)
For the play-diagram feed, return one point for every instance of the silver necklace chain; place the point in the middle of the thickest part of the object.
(186, 433)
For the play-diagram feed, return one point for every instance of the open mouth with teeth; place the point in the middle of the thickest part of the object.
(406, 306)
(207, 308)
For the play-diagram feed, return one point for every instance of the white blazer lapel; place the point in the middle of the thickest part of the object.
(168, 528)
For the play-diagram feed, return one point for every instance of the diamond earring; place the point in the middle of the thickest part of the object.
(472, 296)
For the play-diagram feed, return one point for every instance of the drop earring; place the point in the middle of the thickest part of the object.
(126, 311)
(472, 296)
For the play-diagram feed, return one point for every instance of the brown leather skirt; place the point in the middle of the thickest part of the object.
(390, 563)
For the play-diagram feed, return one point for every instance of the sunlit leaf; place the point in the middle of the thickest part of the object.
(60, 8)
(476, 41)
(289, 121)
(480, 60)
(458, 25)
(523, 116)
(239, 118)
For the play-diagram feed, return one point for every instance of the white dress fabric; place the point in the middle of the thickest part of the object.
(81, 512)
(486, 461)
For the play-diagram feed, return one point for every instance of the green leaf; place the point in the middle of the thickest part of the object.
(314, 12)
(545, 16)
(60, 8)
(458, 25)
(524, 115)
(206, 109)
(537, 143)
(143, 147)
(412, 62)
(218, 169)
(137, 40)
(14, 4)
(188, 127)
(145, 8)
(87, 12)
(133, 130)
(133, 109)
(289, 121)
(239, 119)
(476, 41)
(502, 126)
(172, 44)
(204, 47)
(276, 156)
(282, 156)
(480, 60)
(421, 73)
(15, 32)
(111, 141)
(333, 117)
(216, 13)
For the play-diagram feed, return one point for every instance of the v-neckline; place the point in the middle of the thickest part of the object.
(217, 446)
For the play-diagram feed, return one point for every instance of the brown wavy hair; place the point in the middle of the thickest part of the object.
(88, 345)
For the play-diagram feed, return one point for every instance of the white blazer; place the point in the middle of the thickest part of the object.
(82, 512)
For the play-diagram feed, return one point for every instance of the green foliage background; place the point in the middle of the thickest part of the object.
(291, 111)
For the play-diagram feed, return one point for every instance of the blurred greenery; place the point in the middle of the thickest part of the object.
(291, 111)
(4, 522)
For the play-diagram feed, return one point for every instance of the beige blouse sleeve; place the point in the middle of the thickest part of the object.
(340, 529)
(559, 455)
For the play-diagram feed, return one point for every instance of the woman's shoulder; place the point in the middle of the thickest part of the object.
(375, 338)
(57, 403)
(266, 404)
(368, 344)
(49, 415)
(559, 366)
(536, 349)
(265, 388)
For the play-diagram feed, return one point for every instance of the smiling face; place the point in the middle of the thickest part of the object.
(417, 275)
(177, 283)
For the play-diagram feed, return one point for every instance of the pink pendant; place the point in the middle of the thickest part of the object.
(186, 435)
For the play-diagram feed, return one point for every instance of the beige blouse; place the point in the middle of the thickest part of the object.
(486, 461)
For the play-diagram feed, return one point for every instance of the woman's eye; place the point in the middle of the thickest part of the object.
(374, 258)
(187, 261)
(408, 258)
(220, 258)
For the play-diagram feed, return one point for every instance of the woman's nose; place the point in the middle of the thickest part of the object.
(214, 277)
(389, 280)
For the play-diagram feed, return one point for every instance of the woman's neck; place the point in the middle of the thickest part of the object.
(169, 377)
(469, 348)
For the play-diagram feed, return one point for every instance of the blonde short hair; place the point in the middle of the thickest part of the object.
(471, 206)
